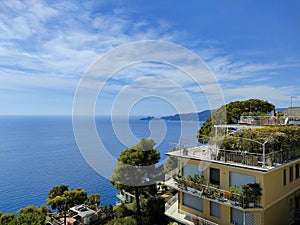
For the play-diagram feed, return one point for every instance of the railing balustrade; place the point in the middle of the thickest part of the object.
(192, 218)
(212, 193)
(237, 156)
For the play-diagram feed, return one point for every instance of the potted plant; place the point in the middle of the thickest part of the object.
(208, 192)
(195, 220)
(218, 194)
(251, 194)
(236, 197)
(179, 179)
(227, 195)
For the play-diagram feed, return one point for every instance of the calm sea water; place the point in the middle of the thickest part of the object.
(37, 153)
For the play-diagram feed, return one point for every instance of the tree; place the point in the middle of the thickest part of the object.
(56, 198)
(123, 221)
(136, 170)
(7, 218)
(31, 215)
(155, 210)
(61, 198)
(231, 113)
(122, 211)
(75, 197)
(93, 200)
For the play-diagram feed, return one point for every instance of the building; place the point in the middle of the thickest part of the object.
(86, 215)
(125, 197)
(293, 113)
(228, 187)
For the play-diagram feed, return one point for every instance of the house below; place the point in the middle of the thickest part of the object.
(77, 215)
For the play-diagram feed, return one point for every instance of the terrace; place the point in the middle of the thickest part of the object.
(172, 211)
(256, 161)
(228, 157)
(233, 197)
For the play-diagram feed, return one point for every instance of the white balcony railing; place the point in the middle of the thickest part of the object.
(215, 194)
(181, 216)
(170, 174)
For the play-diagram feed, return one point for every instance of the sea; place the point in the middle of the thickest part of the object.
(39, 152)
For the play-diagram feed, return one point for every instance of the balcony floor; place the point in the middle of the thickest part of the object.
(184, 217)
(173, 213)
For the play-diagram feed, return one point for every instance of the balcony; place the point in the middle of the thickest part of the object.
(236, 158)
(232, 197)
(173, 212)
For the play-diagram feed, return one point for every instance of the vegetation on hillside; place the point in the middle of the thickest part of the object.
(230, 114)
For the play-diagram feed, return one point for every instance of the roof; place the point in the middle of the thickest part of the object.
(83, 210)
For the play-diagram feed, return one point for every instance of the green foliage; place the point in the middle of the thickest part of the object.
(279, 114)
(7, 218)
(122, 211)
(33, 218)
(30, 215)
(135, 171)
(93, 200)
(45, 209)
(58, 202)
(75, 197)
(57, 191)
(152, 210)
(230, 114)
(142, 154)
(251, 194)
(61, 198)
(56, 198)
(129, 220)
(235, 190)
(155, 209)
(284, 139)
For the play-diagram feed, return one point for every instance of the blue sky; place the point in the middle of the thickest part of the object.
(252, 48)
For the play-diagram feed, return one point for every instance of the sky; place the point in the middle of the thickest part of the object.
(248, 49)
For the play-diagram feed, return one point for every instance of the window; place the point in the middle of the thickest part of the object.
(191, 169)
(297, 171)
(284, 177)
(215, 209)
(236, 216)
(291, 173)
(237, 179)
(192, 202)
(214, 176)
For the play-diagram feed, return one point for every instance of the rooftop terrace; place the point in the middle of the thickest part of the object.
(235, 158)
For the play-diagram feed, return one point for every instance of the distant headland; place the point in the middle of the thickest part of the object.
(200, 116)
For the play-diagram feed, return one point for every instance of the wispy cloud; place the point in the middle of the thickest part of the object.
(50, 45)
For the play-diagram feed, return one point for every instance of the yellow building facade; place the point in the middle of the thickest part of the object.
(226, 194)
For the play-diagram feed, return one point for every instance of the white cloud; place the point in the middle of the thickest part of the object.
(277, 95)
(51, 45)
